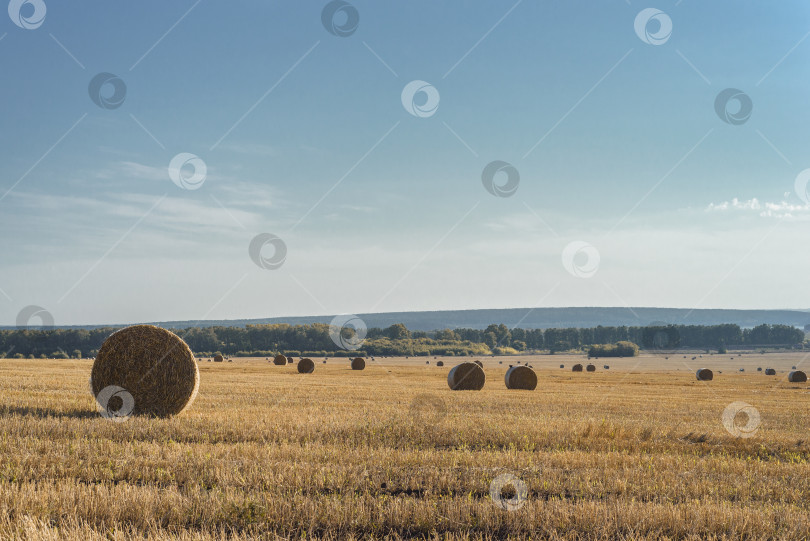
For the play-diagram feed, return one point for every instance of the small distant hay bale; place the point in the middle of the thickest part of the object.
(793, 368)
(606, 367)
(230, 360)
(742, 369)
(280, 360)
(155, 366)
(797, 376)
(290, 360)
(427, 362)
(324, 362)
(358, 363)
(590, 368)
(770, 371)
(576, 368)
(218, 358)
(306, 366)
(479, 363)
(521, 377)
(439, 363)
(466, 377)
(500, 362)
(704, 374)
(759, 369)
(562, 366)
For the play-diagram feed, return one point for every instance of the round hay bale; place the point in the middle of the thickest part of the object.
(606, 367)
(155, 366)
(280, 360)
(576, 368)
(427, 362)
(324, 362)
(306, 366)
(218, 358)
(358, 363)
(797, 376)
(466, 377)
(439, 363)
(793, 368)
(521, 377)
(290, 360)
(759, 369)
(479, 363)
(770, 371)
(590, 368)
(562, 366)
(704, 374)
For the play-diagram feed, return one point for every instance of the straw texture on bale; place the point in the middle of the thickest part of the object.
(797, 376)
(358, 363)
(521, 377)
(280, 360)
(466, 377)
(306, 366)
(153, 365)
(590, 368)
(770, 371)
(576, 368)
(218, 358)
(704, 374)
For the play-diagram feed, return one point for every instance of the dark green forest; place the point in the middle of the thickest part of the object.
(396, 340)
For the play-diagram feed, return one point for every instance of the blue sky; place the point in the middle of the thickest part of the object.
(304, 135)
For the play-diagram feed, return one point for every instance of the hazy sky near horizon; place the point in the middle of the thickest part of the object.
(638, 185)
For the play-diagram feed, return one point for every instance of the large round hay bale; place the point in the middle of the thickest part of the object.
(704, 374)
(770, 371)
(218, 358)
(358, 363)
(590, 368)
(521, 377)
(280, 360)
(576, 368)
(153, 365)
(306, 366)
(797, 376)
(466, 377)
(439, 363)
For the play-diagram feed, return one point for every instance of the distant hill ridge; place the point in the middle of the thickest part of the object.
(532, 318)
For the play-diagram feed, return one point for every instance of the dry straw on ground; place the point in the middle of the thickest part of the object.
(576, 368)
(306, 366)
(358, 363)
(280, 360)
(521, 377)
(466, 377)
(797, 376)
(152, 364)
(704, 374)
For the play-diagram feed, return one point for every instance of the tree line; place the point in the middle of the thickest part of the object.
(314, 340)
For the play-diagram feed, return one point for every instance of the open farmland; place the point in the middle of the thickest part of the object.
(638, 451)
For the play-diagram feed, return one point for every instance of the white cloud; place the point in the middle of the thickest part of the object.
(766, 209)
